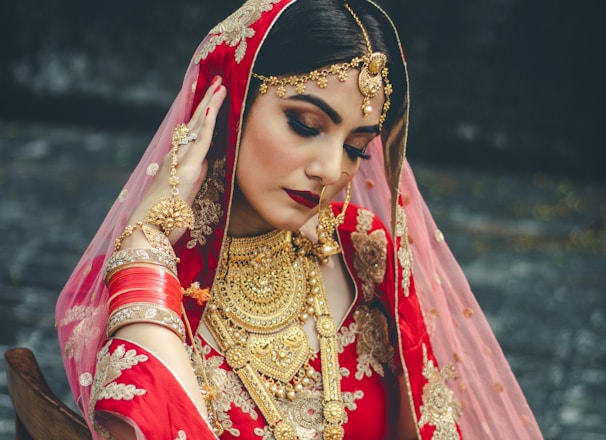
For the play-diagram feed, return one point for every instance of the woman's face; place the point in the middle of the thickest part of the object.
(293, 146)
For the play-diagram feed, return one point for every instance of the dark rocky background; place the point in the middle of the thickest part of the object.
(507, 111)
(498, 83)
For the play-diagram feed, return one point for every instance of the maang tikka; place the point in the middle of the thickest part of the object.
(373, 75)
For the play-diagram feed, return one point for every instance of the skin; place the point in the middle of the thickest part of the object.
(314, 140)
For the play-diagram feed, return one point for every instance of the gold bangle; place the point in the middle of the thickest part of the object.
(145, 313)
(143, 255)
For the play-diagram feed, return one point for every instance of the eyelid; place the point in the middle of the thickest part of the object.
(357, 152)
(300, 127)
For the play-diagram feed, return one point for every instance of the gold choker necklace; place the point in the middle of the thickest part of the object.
(266, 288)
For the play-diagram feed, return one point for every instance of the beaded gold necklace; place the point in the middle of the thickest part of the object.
(266, 288)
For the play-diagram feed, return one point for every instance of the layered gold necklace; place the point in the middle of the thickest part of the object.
(266, 288)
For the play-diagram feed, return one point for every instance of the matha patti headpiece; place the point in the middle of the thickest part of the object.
(373, 75)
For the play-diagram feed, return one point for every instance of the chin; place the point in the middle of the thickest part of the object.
(292, 222)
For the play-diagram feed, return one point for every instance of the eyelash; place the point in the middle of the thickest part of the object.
(303, 130)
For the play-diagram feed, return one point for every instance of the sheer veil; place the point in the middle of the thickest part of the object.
(493, 406)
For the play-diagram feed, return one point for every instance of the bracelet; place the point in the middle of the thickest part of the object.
(145, 313)
(127, 232)
(130, 255)
(144, 284)
(172, 212)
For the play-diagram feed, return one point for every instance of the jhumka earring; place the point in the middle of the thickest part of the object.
(327, 224)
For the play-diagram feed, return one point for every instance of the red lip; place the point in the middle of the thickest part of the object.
(305, 198)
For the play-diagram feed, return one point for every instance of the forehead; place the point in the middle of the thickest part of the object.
(342, 96)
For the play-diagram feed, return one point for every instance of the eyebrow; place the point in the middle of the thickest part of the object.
(331, 112)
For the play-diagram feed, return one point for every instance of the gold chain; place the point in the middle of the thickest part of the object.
(265, 290)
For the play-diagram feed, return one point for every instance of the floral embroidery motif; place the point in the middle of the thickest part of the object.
(373, 347)
(235, 29)
(305, 412)
(181, 435)
(84, 332)
(364, 220)
(404, 254)
(207, 206)
(109, 368)
(440, 408)
(368, 330)
(371, 253)
(232, 390)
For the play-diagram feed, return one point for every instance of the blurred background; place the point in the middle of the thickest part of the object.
(506, 140)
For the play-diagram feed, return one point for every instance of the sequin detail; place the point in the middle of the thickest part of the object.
(152, 169)
(236, 29)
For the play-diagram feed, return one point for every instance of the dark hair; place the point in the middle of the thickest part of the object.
(311, 34)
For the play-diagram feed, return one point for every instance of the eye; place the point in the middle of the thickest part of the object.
(356, 153)
(300, 127)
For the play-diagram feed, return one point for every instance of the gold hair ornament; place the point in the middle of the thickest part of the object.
(373, 75)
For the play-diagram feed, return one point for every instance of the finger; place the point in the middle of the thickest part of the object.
(198, 116)
(197, 151)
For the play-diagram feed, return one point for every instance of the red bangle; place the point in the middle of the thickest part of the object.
(144, 284)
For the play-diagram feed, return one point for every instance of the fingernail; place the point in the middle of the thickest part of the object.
(215, 79)
(207, 110)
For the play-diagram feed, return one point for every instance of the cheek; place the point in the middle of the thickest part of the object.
(350, 168)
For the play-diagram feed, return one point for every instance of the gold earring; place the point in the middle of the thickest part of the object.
(327, 224)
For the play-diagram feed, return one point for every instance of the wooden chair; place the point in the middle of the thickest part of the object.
(40, 415)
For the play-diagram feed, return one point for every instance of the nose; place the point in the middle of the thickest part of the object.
(326, 163)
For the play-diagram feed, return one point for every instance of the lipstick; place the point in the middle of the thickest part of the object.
(306, 198)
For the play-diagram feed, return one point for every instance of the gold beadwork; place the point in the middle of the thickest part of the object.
(373, 74)
(266, 288)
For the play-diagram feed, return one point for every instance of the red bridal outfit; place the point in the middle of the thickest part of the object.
(413, 313)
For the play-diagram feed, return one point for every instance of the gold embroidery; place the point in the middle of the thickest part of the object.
(373, 347)
(235, 29)
(440, 408)
(181, 435)
(232, 390)
(207, 205)
(371, 253)
(123, 195)
(404, 254)
(370, 259)
(468, 312)
(109, 368)
(84, 333)
(439, 236)
(305, 412)
(364, 220)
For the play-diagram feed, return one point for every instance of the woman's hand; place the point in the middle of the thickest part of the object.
(192, 165)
